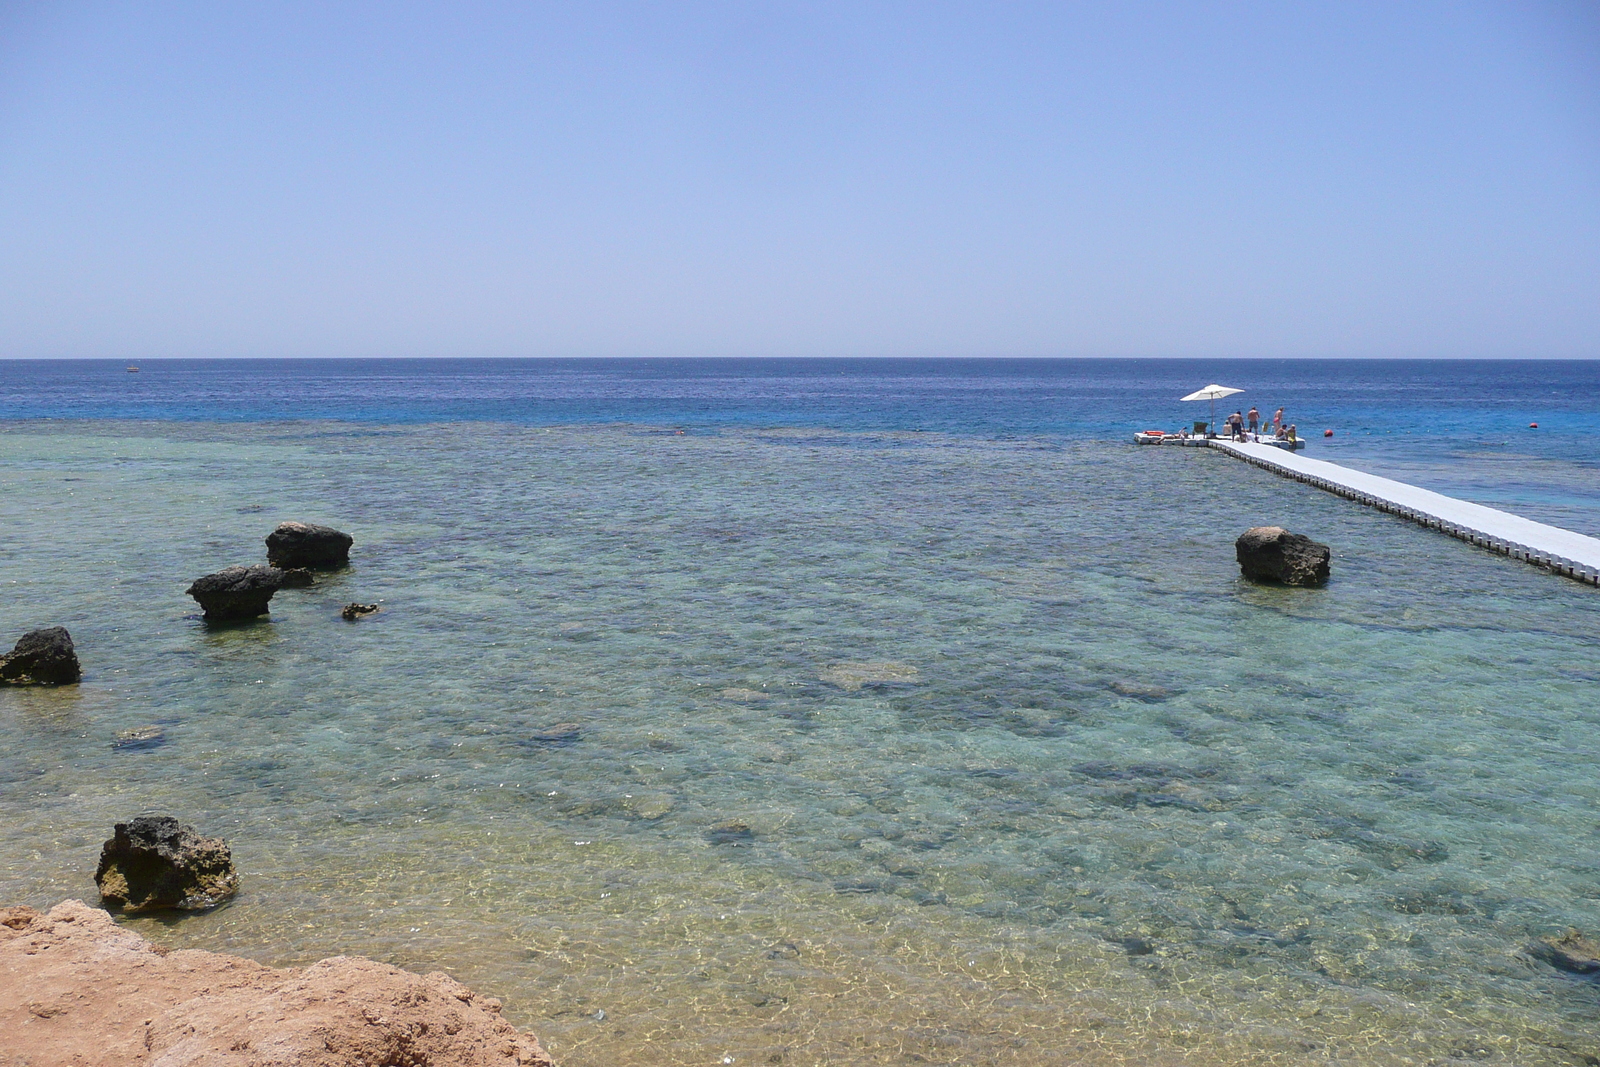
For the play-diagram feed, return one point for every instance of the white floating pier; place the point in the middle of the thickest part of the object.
(1562, 551)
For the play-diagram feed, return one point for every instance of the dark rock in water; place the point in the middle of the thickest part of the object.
(1273, 554)
(156, 862)
(1150, 694)
(237, 592)
(1156, 774)
(140, 738)
(354, 611)
(1570, 952)
(1432, 901)
(1393, 851)
(297, 578)
(732, 832)
(299, 544)
(42, 657)
(1133, 946)
(560, 735)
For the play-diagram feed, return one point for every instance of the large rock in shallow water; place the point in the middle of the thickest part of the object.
(157, 862)
(1273, 554)
(299, 544)
(42, 657)
(237, 592)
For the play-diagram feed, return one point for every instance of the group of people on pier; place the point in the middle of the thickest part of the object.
(1281, 429)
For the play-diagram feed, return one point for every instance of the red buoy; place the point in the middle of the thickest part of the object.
(1533, 425)
(1327, 433)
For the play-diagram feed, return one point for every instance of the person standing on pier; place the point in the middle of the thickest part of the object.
(1277, 422)
(1255, 419)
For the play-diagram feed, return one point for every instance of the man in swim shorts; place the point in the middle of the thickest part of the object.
(1255, 419)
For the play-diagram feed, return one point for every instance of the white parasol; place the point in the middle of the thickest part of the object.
(1212, 393)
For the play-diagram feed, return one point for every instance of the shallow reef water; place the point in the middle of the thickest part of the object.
(823, 747)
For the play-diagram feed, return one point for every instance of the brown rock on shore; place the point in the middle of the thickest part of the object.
(78, 990)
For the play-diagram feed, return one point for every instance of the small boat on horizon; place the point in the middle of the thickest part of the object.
(133, 370)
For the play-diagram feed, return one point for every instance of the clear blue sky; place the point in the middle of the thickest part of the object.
(789, 179)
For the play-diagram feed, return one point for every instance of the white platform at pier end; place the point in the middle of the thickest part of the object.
(1563, 551)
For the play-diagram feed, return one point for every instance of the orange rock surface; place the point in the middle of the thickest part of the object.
(77, 990)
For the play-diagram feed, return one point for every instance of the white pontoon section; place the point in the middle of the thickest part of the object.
(1565, 552)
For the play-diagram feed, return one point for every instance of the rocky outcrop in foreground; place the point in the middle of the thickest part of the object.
(42, 657)
(156, 862)
(236, 592)
(1273, 554)
(300, 544)
(78, 990)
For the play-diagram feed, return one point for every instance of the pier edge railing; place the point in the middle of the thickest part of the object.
(1569, 568)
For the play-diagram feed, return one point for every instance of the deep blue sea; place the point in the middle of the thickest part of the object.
(1457, 426)
(834, 712)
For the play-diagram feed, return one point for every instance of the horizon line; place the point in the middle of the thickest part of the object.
(666, 358)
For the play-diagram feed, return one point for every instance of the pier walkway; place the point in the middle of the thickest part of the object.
(1562, 551)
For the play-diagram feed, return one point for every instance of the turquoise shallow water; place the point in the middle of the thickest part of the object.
(890, 747)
